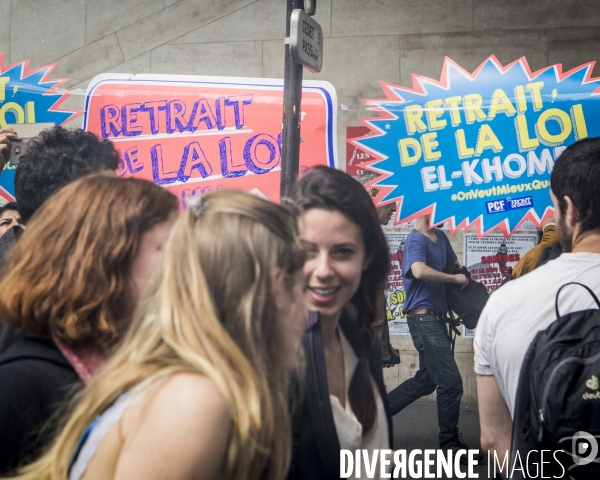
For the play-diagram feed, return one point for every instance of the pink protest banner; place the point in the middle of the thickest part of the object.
(195, 134)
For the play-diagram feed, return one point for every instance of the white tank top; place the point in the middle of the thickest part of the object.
(96, 432)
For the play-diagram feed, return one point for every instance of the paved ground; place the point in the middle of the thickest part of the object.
(416, 427)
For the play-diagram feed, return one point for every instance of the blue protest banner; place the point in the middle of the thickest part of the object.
(477, 149)
(28, 96)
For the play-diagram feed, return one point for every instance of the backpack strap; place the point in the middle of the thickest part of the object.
(460, 318)
(319, 404)
(452, 322)
(574, 283)
(521, 437)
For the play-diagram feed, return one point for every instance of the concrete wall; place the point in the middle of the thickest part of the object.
(366, 41)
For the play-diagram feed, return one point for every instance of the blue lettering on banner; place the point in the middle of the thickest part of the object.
(501, 206)
(115, 122)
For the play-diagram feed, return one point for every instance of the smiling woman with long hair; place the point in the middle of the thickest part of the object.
(196, 389)
(345, 402)
(71, 285)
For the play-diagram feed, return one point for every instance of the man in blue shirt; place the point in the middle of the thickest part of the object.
(426, 254)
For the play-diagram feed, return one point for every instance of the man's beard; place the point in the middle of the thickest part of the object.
(564, 236)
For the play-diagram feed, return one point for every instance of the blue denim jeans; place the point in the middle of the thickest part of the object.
(437, 369)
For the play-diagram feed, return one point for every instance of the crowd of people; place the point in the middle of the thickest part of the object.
(241, 339)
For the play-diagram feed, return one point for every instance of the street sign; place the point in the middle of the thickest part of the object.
(306, 41)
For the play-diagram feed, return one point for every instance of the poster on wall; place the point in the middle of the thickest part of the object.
(195, 134)
(490, 258)
(394, 291)
(476, 149)
(356, 157)
(29, 96)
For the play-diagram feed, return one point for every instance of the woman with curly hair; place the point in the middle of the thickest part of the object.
(71, 284)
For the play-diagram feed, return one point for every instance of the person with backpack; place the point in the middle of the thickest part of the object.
(427, 252)
(516, 313)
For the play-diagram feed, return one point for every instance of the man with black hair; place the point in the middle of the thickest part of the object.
(515, 313)
(55, 158)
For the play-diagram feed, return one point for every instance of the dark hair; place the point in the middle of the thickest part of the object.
(8, 206)
(576, 174)
(331, 189)
(55, 158)
(69, 276)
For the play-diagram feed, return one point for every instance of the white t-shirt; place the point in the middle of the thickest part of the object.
(517, 311)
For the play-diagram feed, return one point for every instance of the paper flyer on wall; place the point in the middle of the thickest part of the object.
(394, 292)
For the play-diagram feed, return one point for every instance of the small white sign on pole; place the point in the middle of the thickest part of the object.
(306, 41)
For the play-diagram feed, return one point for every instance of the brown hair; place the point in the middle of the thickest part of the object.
(333, 190)
(210, 311)
(68, 276)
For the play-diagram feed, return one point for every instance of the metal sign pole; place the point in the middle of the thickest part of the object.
(292, 96)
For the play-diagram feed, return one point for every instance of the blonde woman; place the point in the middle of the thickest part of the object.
(197, 388)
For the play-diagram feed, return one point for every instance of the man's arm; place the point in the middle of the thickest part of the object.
(494, 420)
(421, 271)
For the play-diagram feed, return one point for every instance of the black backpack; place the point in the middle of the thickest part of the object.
(558, 394)
(469, 302)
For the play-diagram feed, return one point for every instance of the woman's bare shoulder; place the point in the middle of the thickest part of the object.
(190, 395)
(188, 410)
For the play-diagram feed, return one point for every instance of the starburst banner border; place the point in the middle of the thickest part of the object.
(476, 149)
(29, 96)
